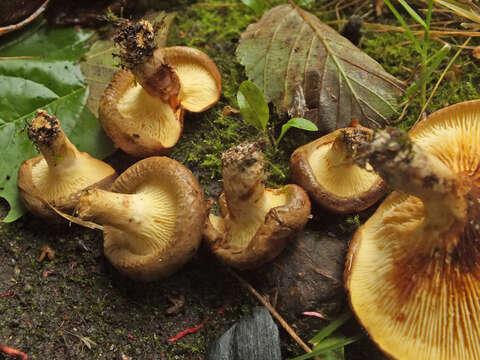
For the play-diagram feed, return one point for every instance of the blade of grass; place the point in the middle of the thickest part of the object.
(404, 25)
(339, 342)
(413, 13)
(329, 347)
(330, 328)
(432, 63)
(429, 20)
(441, 78)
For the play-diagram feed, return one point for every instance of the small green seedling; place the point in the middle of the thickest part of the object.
(329, 345)
(255, 112)
(299, 123)
(253, 107)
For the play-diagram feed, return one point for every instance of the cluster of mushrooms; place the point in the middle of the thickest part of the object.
(413, 269)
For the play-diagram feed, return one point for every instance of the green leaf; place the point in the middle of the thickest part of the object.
(330, 328)
(253, 107)
(299, 123)
(290, 48)
(328, 346)
(40, 40)
(256, 5)
(53, 82)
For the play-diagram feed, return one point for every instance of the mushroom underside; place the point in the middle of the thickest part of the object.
(41, 188)
(344, 180)
(240, 232)
(415, 301)
(153, 218)
(138, 123)
(198, 89)
(416, 289)
(259, 237)
(149, 116)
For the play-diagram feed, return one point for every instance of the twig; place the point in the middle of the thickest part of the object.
(20, 57)
(270, 308)
(441, 78)
(7, 29)
(219, 4)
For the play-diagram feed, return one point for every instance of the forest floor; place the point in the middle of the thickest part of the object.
(76, 306)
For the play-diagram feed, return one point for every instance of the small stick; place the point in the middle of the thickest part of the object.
(20, 57)
(274, 313)
(7, 29)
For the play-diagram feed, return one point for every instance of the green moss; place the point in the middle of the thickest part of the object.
(206, 136)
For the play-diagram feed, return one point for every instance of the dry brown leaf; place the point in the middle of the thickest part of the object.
(290, 47)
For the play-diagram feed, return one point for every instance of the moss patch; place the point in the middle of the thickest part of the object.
(78, 307)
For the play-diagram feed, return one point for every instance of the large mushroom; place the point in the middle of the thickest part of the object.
(153, 218)
(255, 221)
(413, 269)
(143, 106)
(57, 176)
(326, 170)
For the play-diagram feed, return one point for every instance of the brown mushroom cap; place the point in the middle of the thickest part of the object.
(324, 170)
(154, 218)
(138, 123)
(255, 222)
(200, 80)
(413, 269)
(58, 176)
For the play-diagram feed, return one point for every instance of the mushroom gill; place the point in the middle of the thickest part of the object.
(413, 269)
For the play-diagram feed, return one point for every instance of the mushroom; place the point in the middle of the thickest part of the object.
(57, 176)
(255, 222)
(413, 269)
(142, 108)
(153, 218)
(325, 169)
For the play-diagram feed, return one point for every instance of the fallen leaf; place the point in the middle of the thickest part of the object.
(290, 47)
(47, 78)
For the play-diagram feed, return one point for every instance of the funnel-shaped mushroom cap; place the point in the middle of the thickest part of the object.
(200, 80)
(255, 222)
(58, 175)
(324, 168)
(413, 269)
(138, 123)
(153, 218)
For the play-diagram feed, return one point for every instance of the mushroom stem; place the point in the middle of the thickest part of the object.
(345, 146)
(406, 167)
(243, 171)
(48, 136)
(108, 208)
(137, 53)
